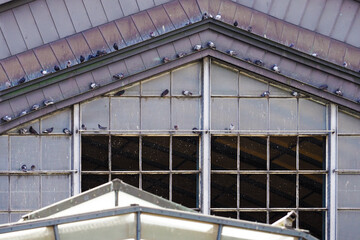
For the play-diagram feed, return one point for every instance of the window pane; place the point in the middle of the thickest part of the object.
(94, 113)
(124, 153)
(58, 121)
(349, 191)
(312, 115)
(54, 189)
(187, 78)
(4, 193)
(94, 153)
(4, 153)
(312, 153)
(349, 152)
(252, 191)
(283, 114)
(253, 216)
(251, 87)
(254, 114)
(25, 150)
(253, 153)
(185, 153)
(274, 216)
(311, 190)
(157, 184)
(26, 191)
(133, 90)
(56, 153)
(160, 120)
(184, 189)
(282, 191)
(155, 86)
(282, 153)
(185, 113)
(314, 222)
(155, 153)
(223, 153)
(125, 113)
(224, 81)
(232, 214)
(89, 181)
(278, 92)
(348, 224)
(223, 191)
(348, 123)
(132, 179)
(224, 112)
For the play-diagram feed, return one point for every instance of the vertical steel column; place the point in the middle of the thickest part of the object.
(205, 170)
(76, 176)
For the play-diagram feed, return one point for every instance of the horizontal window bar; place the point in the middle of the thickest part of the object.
(42, 172)
(269, 172)
(142, 172)
(266, 209)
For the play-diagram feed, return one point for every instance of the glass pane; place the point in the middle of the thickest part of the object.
(279, 92)
(348, 224)
(349, 191)
(185, 153)
(25, 150)
(252, 191)
(223, 153)
(4, 193)
(253, 216)
(283, 153)
(274, 216)
(311, 190)
(187, 78)
(58, 121)
(224, 80)
(312, 153)
(124, 153)
(312, 115)
(44, 233)
(232, 214)
(25, 189)
(127, 178)
(155, 86)
(184, 189)
(4, 218)
(157, 184)
(253, 153)
(348, 123)
(314, 222)
(283, 114)
(125, 113)
(94, 153)
(232, 233)
(349, 152)
(155, 153)
(90, 181)
(56, 153)
(185, 113)
(254, 114)
(133, 90)
(223, 191)
(4, 153)
(224, 112)
(94, 113)
(34, 124)
(160, 120)
(54, 189)
(282, 191)
(251, 87)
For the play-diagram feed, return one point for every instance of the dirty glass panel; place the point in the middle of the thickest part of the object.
(25, 189)
(254, 114)
(185, 113)
(314, 222)
(155, 153)
(94, 113)
(125, 113)
(312, 153)
(184, 187)
(311, 190)
(124, 153)
(348, 123)
(223, 153)
(224, 80)
(349, 152)
(253, 216)
(155, 86)
(223, 190)
(4, 193)
(25, 150)
(282, 190)
(4, 218)
(278, 92)
(156, 184)
(283, 153)
(4, 153)
(312, 115)
(283, 114)
(132, 179)
(89, 181)
(34, 124)
(251, 87)
(187, 78)
(94, 153)
(348, 224)
(224, 112)
(54, 189)
(349, 191)
(58, 121)
(160, 120)
(252, 191)
(227, 214)
(133, 90)
(185, 153)
(56, 153)
(253, 153)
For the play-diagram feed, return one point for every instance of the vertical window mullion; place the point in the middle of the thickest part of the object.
(140, 162)
(170, 168)
(297, 179)
(267, 178)
(109, 156)
(238, 177)
(76, 138)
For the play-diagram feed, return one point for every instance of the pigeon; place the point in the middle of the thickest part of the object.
(94, 85)
(186, 93)
(21, 80)
(90, 57)
(259, 62)
(101, 127)
(324, 87)
(152, 34)
(23, 131)
(248, 60)
(118, 76)
(119, 93)
(56, 68)
(194, 130)
(345, 64)
(48, 102)
(295, 94)
(211, 45)
(164, 93)
(180, 55)
(236, 23)
(43, 72)
(231, 52)
(35, 107)
(68, 64)
(48, 130)
(82, 59)
(231, 127)
(83, 127)
(32, 167)
(115, 46)
(67, 131)
(339, 92)
(218, 17)
(275, 68)
(314, 54)
(249, 29)
(205, 16)
(265, 36)
(358, 101)
(6, 118)
(165, 59)
(100, 53)
(197, 47)
(23, 168)
(24, 112)
(176, 127)
(291, 45)
(265, 94)
(33, 131)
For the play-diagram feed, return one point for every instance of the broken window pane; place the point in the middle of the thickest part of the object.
(252, 191)
(283, 191)
(94, 153)
(155, 153)
(124, 153)
(185, 153)
(184, 189)
(312, 153)
(253, 153)
(223, 191)
(223, 153)
(283, 153)
(156, 184)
